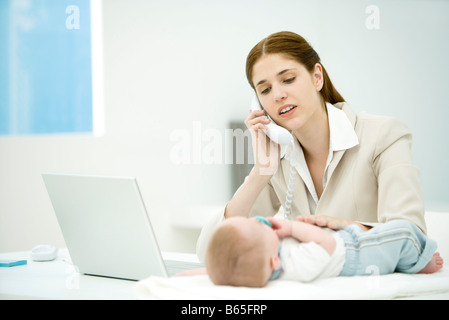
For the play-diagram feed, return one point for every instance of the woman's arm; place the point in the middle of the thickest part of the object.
(255, 189)
(267, 154)
(330, 222)
(245, 197)
(400, 194)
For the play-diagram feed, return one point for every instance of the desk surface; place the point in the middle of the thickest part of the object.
(58, 279)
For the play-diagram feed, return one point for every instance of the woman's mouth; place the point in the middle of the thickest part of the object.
(287, 110)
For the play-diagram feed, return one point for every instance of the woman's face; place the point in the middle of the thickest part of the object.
(287, 91)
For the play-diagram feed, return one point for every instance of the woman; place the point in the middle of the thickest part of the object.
(352, 168)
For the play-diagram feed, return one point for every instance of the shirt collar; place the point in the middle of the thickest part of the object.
(342, 134)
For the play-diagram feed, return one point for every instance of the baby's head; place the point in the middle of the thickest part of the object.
(242, 252)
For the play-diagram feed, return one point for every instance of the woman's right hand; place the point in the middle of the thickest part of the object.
(266, 152)
(266, 161)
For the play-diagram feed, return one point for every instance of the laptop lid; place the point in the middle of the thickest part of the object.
(105, 225)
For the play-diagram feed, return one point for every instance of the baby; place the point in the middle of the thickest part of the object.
(251, 251)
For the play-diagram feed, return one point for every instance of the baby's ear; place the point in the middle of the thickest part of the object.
(275, 262)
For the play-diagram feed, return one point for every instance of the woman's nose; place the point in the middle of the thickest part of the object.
(278, 94)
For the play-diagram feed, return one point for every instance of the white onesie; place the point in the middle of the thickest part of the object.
(306, 262)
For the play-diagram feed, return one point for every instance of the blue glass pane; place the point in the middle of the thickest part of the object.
(45, 67)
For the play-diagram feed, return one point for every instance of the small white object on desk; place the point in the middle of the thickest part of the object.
(44, 252)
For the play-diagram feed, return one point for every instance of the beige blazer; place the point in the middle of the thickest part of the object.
(371, 183)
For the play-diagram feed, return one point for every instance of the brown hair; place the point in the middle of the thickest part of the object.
(296, 47)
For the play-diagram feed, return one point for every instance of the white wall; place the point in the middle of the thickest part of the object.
(169, 64)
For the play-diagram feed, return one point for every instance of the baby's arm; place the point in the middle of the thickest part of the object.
(304, 232)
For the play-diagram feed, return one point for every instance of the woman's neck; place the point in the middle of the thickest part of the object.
(314, 136)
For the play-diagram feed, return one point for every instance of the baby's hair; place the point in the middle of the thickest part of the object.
(234, 258)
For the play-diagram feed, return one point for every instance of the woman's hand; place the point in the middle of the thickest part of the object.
(266, 152)
(329, 222)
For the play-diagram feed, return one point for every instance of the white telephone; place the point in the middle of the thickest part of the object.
(275, 132)
(281, 136)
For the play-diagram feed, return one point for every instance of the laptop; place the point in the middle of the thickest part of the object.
(106, 227)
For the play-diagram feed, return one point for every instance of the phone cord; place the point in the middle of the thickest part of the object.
(290, 185)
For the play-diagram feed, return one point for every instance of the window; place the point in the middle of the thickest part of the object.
(46, 67)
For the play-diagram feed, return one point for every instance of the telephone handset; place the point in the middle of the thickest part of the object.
(275, 132)
(281, 136)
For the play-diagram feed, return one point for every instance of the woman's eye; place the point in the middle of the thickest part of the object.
(290, 80)
(265, 91)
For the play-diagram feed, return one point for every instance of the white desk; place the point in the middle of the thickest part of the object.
(58, 279)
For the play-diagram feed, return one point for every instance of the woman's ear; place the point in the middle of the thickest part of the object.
(318, 77)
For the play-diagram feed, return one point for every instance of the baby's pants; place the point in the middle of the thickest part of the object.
(397, 245)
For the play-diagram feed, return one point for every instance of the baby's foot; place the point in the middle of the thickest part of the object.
(435, 264)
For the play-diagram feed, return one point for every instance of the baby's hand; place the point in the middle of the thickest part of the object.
(283, 228)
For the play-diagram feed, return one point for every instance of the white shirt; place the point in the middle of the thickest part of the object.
(309, 261)
(342, 137)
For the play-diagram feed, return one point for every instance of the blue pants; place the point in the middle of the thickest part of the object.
(395, 246)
